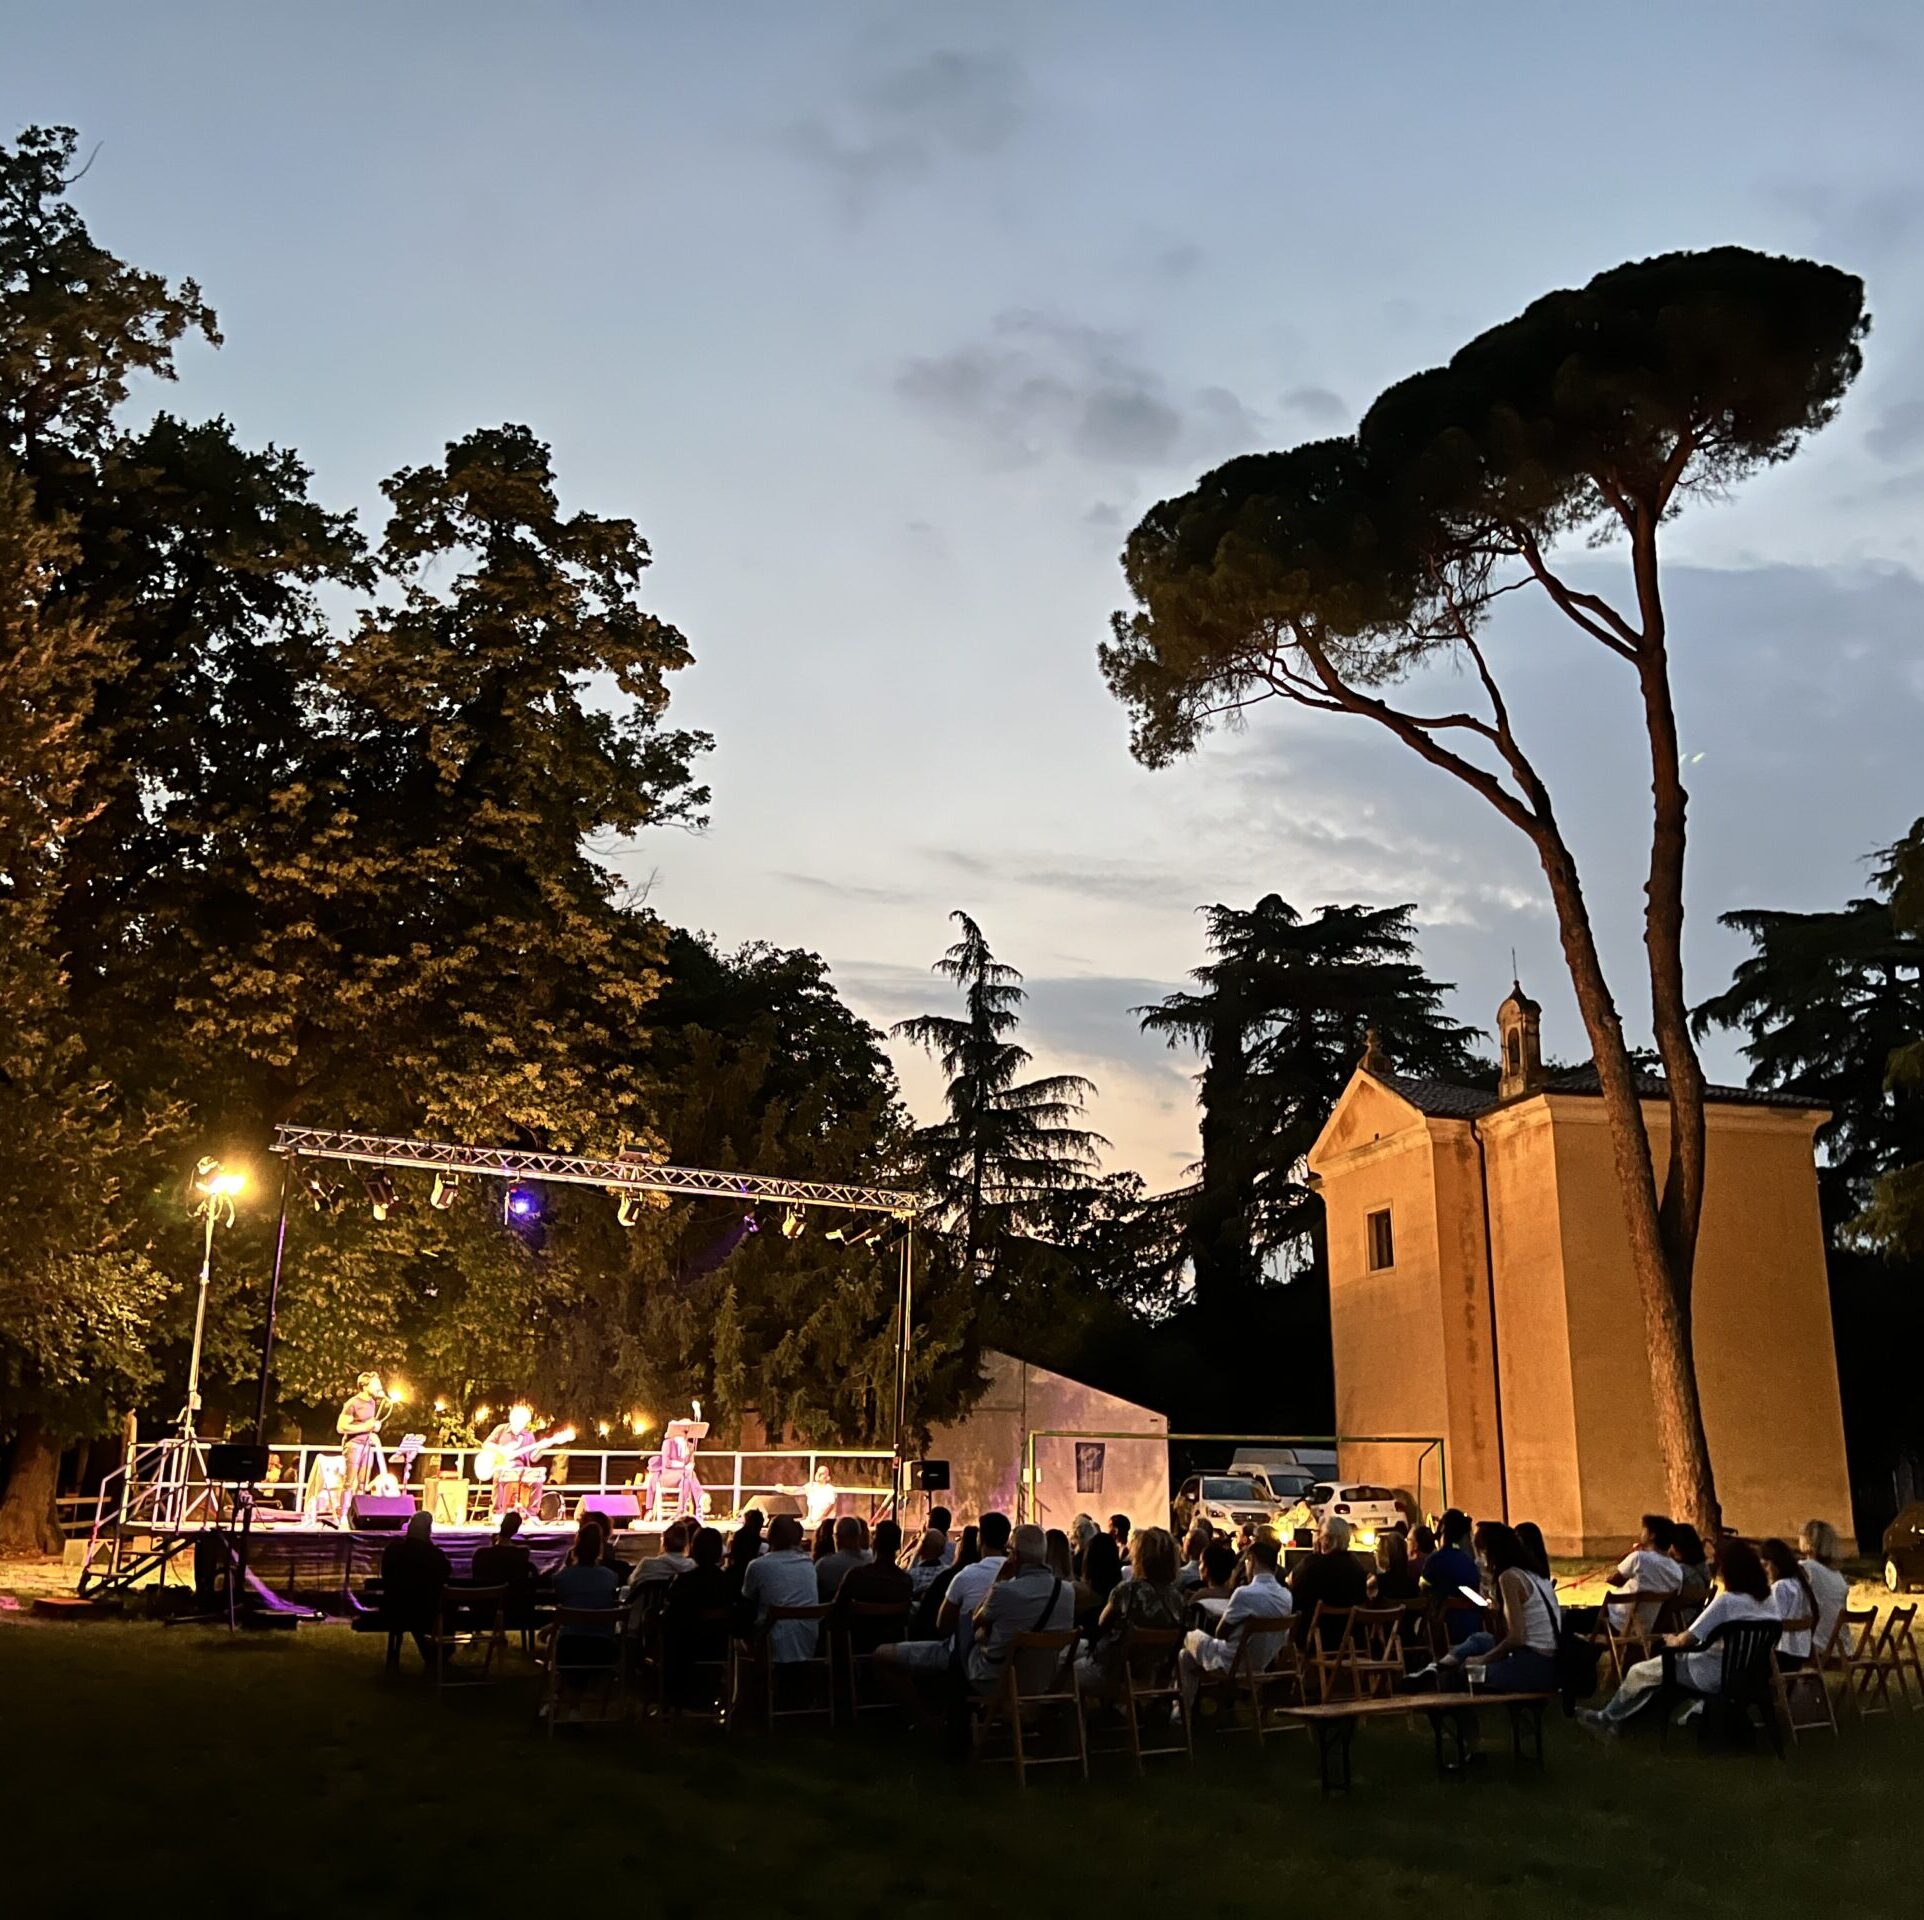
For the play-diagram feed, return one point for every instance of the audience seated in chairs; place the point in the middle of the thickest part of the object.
(1260, 1596)
(783, 1577)
(1794, 1602)
(849, 1551)
(1699, 1666)
(506, 1562)
(1446, 1572)
(653, 1574)
(1646, 1569)
(1218, 1573)
(874, 1581)
(1422, 1545)
(588, 1583)
(1693, 1562)
(1024, 1597)
(1819, 1548)
(920, 1662)
(1101, 1571)
(1190, 1574)
(1332, 1578)
(1392, 1582)
(745, 1546)
(695, 1620)
(1059, 1555)
(1523, 1658)
(932, 1556)
(413, 1572)
(1149, 1600)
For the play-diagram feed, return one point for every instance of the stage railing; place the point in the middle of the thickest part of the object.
(167, 1489)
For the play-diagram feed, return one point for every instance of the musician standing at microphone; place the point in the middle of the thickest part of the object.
(360, 1429)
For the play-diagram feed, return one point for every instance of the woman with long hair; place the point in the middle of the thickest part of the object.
(1393, 1582)
(1101, 1575)
(1796, 1603)
(1687, 1549)
(1523, 1658)
(1149, 1600)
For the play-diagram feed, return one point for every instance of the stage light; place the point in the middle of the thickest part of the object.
(639, 1423)
(397, 1391)
(379, 1190)
(440, 1404)
(628, 1209)
(837, 1234)
(212, 1181)
(321, 1191)
(521, 1204)
(446, 1186)
(793, 1225)
(604, 1428)
(481, 1413)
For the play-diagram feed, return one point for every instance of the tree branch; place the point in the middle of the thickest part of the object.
(1590, 611)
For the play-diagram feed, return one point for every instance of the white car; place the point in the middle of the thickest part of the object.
(1228, 1501)
(1369, 1510)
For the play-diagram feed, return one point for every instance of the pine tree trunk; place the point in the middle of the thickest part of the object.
(1663, 1276)
(27, 1522)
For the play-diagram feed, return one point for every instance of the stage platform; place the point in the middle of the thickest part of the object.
(319, 1565)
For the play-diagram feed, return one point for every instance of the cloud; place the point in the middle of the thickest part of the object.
(1316, 404)
(1038, 386)
(1874, 219)
(1899, 431)
(896, 126)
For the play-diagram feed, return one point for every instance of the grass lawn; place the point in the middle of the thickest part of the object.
(286, 1774)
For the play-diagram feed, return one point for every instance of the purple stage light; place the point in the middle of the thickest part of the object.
(523, 1203)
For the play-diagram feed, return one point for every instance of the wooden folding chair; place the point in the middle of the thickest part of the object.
(1852, 1656)
(756, 1658)
(467, 1616)
(678, 1695)
(1371, 1651)
(1896, 1654)
(575, 1681)
(1151, 1682)
(1024, 1694)
(1624, 1636)
(1250, 1677)
(882, 1622)
(1802, 1693)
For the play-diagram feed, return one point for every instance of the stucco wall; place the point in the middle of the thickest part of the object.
(986, 1452)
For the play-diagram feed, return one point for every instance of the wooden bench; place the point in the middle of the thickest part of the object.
(1335, 1723)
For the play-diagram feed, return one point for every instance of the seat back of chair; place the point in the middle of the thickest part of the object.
(775, 1616)
(602, 1620)
(1376, 1634)
(1748, 1647)
(485, 1601)
(1036, 1661)
(875, 1623)
(1852, 1637)
(1895, 1643)
(1329, 1630)
(1149, 1656)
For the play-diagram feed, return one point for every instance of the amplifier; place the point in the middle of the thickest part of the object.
(447, 1499)
(381, 1512)
(617, 1508)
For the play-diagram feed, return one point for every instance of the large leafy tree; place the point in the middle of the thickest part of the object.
(1279, 1015)
(1006, 1143)
(1330, 574)
(1894, 1218)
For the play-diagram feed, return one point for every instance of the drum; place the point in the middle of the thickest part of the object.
(518, 1489)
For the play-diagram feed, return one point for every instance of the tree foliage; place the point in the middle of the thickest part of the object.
(1279, 1017)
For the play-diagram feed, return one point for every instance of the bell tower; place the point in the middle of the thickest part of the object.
(1516, 1028)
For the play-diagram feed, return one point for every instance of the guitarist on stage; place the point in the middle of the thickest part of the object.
(512, 1448)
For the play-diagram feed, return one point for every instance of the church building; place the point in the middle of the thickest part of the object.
(1481, 1292)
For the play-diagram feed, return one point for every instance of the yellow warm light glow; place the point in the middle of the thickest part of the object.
(440, 1404)
(604, 1428)
(639, 1423)
(398, 1392)
(228, 1184)
(481, 1413)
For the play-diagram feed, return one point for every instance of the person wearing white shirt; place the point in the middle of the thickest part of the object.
(783, 1577)
(818, 1499)
(967, 1590)
(1024, 1598)
(1700, 1661)
(1832, 1591)
(1646, 1568)
(1262, 1597)
(1791, 1599)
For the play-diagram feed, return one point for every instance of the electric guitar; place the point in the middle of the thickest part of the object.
(490, 1460)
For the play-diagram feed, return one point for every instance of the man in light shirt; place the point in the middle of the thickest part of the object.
(1027, 1598)
(1819, 1546)
(1646, 1568)
(1261, 1597)
(967, 1590)
(783, 1577)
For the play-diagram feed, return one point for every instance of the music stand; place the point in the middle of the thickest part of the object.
(238, 1467)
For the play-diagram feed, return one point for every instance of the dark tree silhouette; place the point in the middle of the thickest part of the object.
(1008, 1143)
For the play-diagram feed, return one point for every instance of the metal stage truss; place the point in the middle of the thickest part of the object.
(172, 1499)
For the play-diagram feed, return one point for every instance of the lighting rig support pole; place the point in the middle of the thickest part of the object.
(904, 1303)
(273, 1301)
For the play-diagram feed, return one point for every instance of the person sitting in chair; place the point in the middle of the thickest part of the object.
(1261, 1597)
(1699, 1665)
(413, 1572)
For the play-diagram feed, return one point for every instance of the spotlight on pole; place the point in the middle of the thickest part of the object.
(379, 1190)
(520, 1206)
(213, 1188)
(446, 1186)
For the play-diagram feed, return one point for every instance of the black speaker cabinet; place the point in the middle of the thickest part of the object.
(931, 1476)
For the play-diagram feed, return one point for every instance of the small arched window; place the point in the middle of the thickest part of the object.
(1516, 1050)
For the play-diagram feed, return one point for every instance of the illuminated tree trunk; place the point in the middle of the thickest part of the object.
(27, 1522)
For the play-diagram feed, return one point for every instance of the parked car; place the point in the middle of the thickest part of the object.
(1311, 1463)
(1225, 1500)
(1904, 1550)
(1369, 1511)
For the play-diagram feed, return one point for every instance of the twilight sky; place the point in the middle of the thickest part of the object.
(885, 322)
